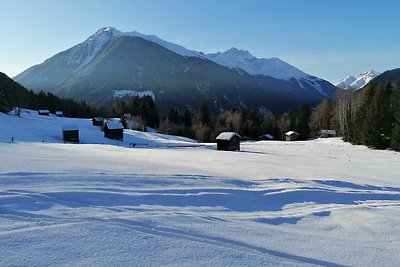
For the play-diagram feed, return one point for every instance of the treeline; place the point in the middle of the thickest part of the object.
(143, 110)
(369, 117)
(13, 95)
(250, 124)
(376, 121)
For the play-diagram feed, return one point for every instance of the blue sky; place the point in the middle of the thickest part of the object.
(326, 38)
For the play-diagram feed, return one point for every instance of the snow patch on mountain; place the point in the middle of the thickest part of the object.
(357, 82)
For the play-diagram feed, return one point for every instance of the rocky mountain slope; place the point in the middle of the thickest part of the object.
(110, 60)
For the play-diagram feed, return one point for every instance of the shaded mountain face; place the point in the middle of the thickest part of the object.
(110, 60)
(388, 76)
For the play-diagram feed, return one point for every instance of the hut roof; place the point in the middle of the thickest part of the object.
(44, 111)
(98, 118)
(70, 128)
(114, 125)
(291, 133)
(59, 112)
(328, 132)
(267, 136)
(227, 136)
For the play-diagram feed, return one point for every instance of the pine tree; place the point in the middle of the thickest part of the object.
(374, 120)
(203, 114)
(5, 100)
(303, 121)
(187, 118)
(395, 138)
(359, 127)
(173, 116)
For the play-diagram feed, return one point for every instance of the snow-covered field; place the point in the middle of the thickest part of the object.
(176, 202)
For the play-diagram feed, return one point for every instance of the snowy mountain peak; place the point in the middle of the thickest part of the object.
(105, 32)
(238, 52)
(274, 67)
(357, 82)
(83, 53)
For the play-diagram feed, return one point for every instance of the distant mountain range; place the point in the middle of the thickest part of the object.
(359, 81)
(110, 61)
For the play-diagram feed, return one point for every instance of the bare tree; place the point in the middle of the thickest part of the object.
(344, 109)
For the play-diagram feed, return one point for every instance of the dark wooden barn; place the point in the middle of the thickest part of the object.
(114, 130)
(228, 141)
(98, 121)
(292, 136)
(70, 133)
(43, 112)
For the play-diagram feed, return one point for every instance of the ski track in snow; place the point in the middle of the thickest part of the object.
(320, 202)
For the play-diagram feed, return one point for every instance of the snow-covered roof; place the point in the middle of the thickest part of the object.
(226, 136)
(70, 127)
(328, 132)
(98, 118)
(59, 112)
(43, 111)
(291, 133)
(114, 125)
(268, 136)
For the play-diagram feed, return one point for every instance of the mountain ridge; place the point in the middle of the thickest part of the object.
(164, 68)
(359, 81)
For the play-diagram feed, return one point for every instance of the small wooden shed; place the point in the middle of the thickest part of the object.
(70, 133)
(98, 121)
(114, 130)
(59, 113)
(266, 137)
(229, 141)
(328, 133)
(292, 136)
(43, 112)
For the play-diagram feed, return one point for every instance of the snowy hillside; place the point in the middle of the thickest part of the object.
(321, 202)
(357, 82)
(31, 127)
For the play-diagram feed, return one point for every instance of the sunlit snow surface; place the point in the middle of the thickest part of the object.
(357, 82)
(176, 202)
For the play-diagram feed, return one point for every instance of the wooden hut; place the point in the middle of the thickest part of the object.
(59, 113)
(229, 141)
(114, 130)
(98, 121)
(70, 133)
(328, 133)
(43, 112)
(292, 136)
(266, 137)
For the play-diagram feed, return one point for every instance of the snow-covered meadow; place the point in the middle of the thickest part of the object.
(171, 201)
